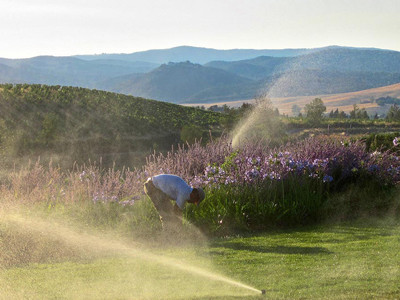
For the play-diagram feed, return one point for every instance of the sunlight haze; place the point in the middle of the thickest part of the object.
(53, 27)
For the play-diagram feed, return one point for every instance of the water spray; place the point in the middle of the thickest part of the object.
(101, 244)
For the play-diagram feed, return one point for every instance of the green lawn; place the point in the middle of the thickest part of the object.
(348, 261)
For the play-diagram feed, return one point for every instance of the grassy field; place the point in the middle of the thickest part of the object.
(356, 260)
(343, 101)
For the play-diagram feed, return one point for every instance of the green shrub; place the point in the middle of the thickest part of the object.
(232, 208)
(381, 142)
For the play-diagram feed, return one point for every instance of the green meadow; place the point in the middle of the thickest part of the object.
(353, 260)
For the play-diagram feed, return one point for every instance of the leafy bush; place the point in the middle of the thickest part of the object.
(381, 142)
(387, 100)
(231, 208)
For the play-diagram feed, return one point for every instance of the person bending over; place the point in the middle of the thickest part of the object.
(161, 188)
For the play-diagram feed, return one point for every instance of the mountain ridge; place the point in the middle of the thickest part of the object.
(330, 69)
(204, 55)
(178, 82)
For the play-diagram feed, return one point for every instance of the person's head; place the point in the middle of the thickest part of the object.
(196, 196)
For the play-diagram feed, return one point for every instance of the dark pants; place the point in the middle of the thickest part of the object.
(162, 204)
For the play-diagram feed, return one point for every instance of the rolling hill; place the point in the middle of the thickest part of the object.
(345, 101)
(76, 124)
(190, 83)
(348, 60)
(312, 82)
(291, 72)
(196, 54)
(66, 70)
(342, 101)
(256, 68)
(329, 70)
(328, 59)
(185, 82)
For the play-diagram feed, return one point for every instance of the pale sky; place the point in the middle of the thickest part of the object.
(68, 27)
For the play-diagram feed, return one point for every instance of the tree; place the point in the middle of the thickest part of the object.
(353, 113)
(296, 110)
(343, 115)
(393, 113)
(334, 114)
(357, 113)
(364, 115)
(314, 110)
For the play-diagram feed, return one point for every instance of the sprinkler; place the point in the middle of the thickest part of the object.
(262, 292)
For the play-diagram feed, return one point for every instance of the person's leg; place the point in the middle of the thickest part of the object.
(154, 195)
(162, 203)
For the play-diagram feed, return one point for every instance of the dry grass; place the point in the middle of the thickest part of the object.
(342, 101)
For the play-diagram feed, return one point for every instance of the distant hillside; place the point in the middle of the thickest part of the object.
(368, 99)
(345, 101)
(190, 83)
(257, 68)
(328, 71)
(185, 82)
(66, 70)
(348, 60)
(312, 82)
(302, 72)
(75, 124)
(329, 59)
(197, 54)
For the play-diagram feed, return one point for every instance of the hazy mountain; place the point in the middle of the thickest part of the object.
(197, 54)
(332, 70)
(329, 59)
(66, 70)
(6, 73)
(317, 82)
(182, 82)
(205, 55)
(302, 72)
(257, 68)
(348, 59)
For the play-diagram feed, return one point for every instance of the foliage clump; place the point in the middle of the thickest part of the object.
(314, 110)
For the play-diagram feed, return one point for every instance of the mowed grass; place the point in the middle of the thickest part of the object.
(357, 260)
(353, 261)
(112, 278)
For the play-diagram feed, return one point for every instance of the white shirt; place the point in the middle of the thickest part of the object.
(174, 186)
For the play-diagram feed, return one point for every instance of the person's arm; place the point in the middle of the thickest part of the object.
(180, 202)
(177, 210)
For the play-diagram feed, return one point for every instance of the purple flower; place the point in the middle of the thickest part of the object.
(327, 178)
(127, 202)
(373, 168)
